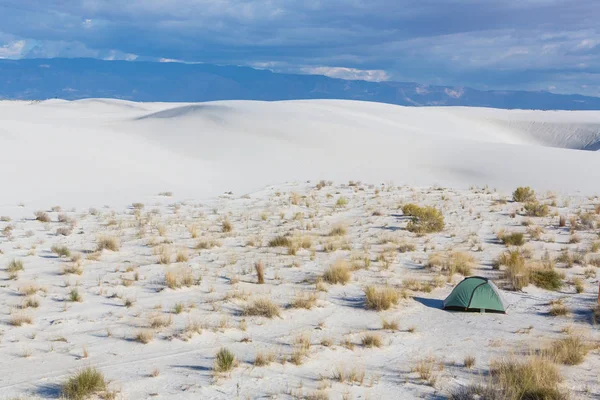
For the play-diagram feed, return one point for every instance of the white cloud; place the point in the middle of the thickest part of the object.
(371, 75)
(13, 50)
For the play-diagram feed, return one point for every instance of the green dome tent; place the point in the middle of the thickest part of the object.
(475, 294)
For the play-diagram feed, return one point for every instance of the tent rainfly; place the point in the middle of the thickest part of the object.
(475, 294)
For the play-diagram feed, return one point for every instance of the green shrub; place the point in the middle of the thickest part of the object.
(84, 384)
(535, 209)
(524, 195)
(341, 202)
(411, 210)
(224, 360)
(424, 219)
(61, 251)
(548, 279)
(280, 241)
(513, 239)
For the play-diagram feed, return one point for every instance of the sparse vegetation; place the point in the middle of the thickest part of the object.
(535, 209)
(381, 298)
(108, 243)
(260, 272)
(13, 268)
(513, 239)
(424, 219)
(61, 251)
(524, 195)
(263, 308)
(339, 272)
(224, 360)
(84, 384)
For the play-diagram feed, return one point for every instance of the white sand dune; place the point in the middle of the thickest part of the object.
(109, 151)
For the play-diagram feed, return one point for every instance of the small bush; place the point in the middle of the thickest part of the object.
(260, 272)
(371, 340)
(263, 359)
(182, 256)
(424, 219)
(19, 319)
(381, 299)
(524, 195)
(13, 268)
(406, 247)
(108, 243)
(338, 230)
(390, 325)
(74, 296)
(338, 273)
(226, 226)
(306, 301)
(42, 216)
(341, 202)
(534, 378)
(180, 277)
(84, 384)
(469, 362)
(569, 351)
(262, 308)
(144, 336)
(224, 360)
(547, 278)
(578, 283)
(513, 239)
(61, 251)
(535, 209)
(459, 262)
(558, 309)
(280, 241)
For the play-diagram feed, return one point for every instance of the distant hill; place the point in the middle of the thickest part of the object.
(70, 79)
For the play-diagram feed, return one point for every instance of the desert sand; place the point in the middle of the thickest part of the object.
(140, 229)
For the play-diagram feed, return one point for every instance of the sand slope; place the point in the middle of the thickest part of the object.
(106, 151)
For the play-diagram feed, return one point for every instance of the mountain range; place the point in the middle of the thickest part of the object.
(78, 78)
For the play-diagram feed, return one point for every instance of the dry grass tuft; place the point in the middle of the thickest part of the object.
(338, 230)
(558, 308)
(108, 243)
(226, 226)
(569, 351)
(144, 336)
(390, 325)
(339, 272)
(61, 251)
(84, 384)
(224, 361)
(306, 301)
(42, 216)
(381, 298)
(534, 378)
(13, 269)
(263, 308)
(513, 239)
(19, 319)
(180, 277)
(260, 272)
(264, 359)
(371, 340)
(182, 256)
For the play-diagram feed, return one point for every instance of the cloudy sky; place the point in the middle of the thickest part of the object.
(501, 44)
